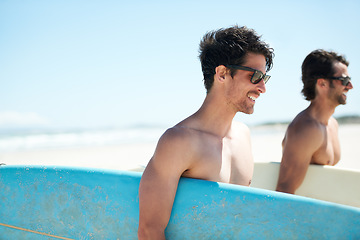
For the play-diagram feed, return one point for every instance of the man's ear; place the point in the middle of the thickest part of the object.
(220, 72)
(321, 82)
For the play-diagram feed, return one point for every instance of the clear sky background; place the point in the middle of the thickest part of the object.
(86, 63)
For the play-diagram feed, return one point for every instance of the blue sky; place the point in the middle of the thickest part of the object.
(70, 64)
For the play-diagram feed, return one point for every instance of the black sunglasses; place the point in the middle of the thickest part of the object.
(256, 77)
(344, 80)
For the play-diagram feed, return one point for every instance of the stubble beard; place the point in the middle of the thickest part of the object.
(246, 108)
(339, 98)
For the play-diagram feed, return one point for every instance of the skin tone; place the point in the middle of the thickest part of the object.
(207, 145)
(312, 137)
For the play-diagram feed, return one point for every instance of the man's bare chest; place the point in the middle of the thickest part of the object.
(229, 162)
(328, 153)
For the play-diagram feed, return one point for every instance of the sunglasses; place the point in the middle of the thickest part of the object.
(344, 80)
(257, 75)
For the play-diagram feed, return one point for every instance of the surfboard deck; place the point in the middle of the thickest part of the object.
(79, 203)
(326, 183)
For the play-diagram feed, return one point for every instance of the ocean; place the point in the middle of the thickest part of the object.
(31, 139)
(35, 139)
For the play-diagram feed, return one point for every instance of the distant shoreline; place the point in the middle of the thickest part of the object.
(348, 119)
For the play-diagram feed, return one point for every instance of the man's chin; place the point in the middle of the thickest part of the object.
(342, 101)
(248, 111)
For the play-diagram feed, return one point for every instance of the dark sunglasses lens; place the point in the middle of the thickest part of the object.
(345, 81)
(266, 78)
(256, 77)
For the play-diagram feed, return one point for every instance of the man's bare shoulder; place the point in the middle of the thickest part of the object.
(181, 133)
(172, 154)
(239, 129)
(175, 138)
(239, 126)
(181, 140)
(303, 138)
(175, 133)
(333, 123)
(304, 130)
(305, 124)
(304, 134)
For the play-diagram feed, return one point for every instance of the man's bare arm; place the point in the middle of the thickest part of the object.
(300, 144)
(158, 185)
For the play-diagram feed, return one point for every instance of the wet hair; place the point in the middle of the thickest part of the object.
(229, 47)
(318, 64)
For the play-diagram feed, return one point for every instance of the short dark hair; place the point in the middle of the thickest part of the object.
(318, 64)
(229, 47)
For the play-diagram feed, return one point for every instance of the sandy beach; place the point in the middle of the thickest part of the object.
(266, 143)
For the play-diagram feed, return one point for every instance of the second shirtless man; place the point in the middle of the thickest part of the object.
(312, 137)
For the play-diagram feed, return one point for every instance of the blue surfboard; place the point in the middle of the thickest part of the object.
(78, 203)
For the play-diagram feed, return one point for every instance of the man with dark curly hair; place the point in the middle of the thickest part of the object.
(208, 145)
(312, 137)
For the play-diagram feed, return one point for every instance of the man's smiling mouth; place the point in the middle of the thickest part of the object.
(253, 98)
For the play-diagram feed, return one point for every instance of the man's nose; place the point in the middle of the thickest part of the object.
(261, 86)
(350, 86)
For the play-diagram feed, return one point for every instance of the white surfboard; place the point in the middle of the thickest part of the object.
(321, 182)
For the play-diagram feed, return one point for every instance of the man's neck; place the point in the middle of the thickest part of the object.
(214, 116)
(321, 112)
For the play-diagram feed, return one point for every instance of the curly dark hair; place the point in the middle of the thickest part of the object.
(229, 47)
(318, 64)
